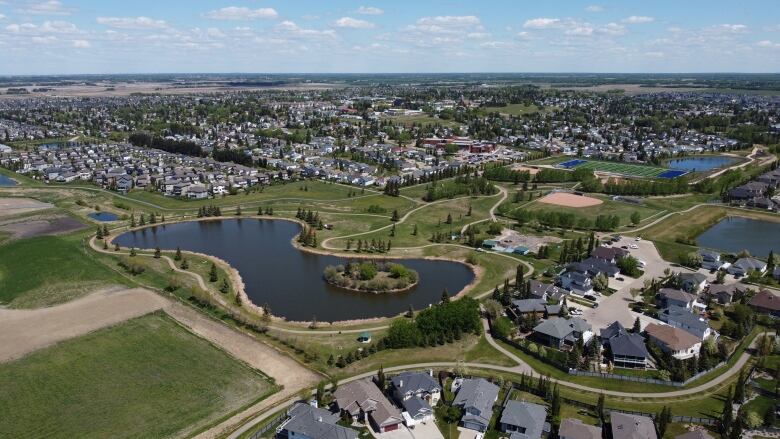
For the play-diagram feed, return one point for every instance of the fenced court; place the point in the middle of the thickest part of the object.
(625, 169)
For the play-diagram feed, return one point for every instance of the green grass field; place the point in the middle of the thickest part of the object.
(47, 270)
(608, 207)
(626, 169)
(147, 377)
(516, 109)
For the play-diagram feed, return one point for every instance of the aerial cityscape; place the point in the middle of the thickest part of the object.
(390, 220)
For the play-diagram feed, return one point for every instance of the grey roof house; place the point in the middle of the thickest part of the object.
(557, 332)
(628, 350)
(476, 397)
(672, 297)
(363, 400)
(744, 265)
(625, 426)
(686, 320)
(524, 420)
(571, 428)
(307, 422)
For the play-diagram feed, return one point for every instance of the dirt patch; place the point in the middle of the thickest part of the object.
(25, 331)
(55, 226)
(567, 199)
(16, 206)
(511, 238)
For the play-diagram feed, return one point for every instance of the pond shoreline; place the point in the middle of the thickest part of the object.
(240, 287)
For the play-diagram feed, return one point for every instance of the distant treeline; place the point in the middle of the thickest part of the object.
(168, 145)
(565, 220)
(232, 155)
(461, 185)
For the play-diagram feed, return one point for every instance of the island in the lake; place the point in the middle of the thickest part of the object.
(370, 276)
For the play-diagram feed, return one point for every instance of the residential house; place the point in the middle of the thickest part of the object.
(723, 294)
(307, 422)
(626, 349)
(743, 266)
(672, 297)
(545, 291)
(776, 272)
(693, 282)
(576, 282)
(476, 397)
(539, 306)
(608, 254)
(524, 420)
(558, 332)
(417, 392)
(362, 400)
(710, 260)
(571, 428)
(679, 343)
(684, 319)
(766, 302)
(625, 426)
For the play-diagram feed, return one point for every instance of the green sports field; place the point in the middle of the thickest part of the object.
(627, 169)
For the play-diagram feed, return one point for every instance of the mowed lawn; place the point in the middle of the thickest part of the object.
(608, 207)
(54, 269)
(147, 377)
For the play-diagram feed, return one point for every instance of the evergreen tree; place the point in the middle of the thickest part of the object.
(445, 296)
(637, 328)
(177, 256)
(600, 408)
(727, 416)
(381, 380)
(555, 406)
(225, 287)
(157, 253)
(213, 277)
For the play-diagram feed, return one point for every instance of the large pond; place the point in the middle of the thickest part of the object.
(6, 181)
(103, 216)
(734, 234)
(290, 280)
(700, 164)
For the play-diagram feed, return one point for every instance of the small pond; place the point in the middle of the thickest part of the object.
(700, 164)
(734, 234)
(103, 216)
(6, 181)
(290, 280)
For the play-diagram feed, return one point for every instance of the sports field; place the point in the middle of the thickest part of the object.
(626, 169)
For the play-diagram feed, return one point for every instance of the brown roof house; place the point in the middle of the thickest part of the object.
(680, 343)
(362, 400)
(766, 302)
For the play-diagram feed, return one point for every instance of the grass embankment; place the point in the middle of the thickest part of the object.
(147, 377)
(685, 227)
(47, 270)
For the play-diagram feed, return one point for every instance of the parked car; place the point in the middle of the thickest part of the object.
(634, 246)
(638, 238)
(590, 297)
(621, 279)
(575, 312)
(624, 247)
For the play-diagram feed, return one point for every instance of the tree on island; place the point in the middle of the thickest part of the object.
(445, 296)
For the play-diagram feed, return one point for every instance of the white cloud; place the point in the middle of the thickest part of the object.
(354, 23)
(478, 35)
(291, 29)
(132, 22)
(2, 17)
(595, 8)
(50, 7)
(215, 33)
(542, 23)
(613, 29)
(732, 28)
(582, 30)
(58, 27)
(655, 54)
(768, 44)
(81, 44)
(369, 10)
(447, 24)
(241, 13)
(638, 19)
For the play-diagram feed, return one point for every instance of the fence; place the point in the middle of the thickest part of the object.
(269, 426)
(613, 376)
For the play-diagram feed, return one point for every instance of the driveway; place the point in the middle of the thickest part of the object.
(466, 433)
(428, 430)
(617, 306)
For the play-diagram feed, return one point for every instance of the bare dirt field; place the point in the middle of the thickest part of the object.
(567, 199)
(15, 206)
(510, 238)
(25, 331)
(55, 226)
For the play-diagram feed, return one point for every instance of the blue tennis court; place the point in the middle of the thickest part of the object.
(571, 163)
(672, 173)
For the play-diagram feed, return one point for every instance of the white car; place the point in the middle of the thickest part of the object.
(634, 246)
(638, 238)
(575, 312)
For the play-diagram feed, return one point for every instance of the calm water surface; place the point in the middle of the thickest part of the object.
(734, 234)
(6, 181)
(103, 216)
(701, 163)
(290, 280)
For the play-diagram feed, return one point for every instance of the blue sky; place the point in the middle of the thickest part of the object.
(144, 36)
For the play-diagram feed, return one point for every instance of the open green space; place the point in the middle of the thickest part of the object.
(608, 207)
(516, 109)
(147, 377)
(626, 169)
(48, 270)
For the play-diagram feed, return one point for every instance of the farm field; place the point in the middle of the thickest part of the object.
(48, 270)
(147, 377)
